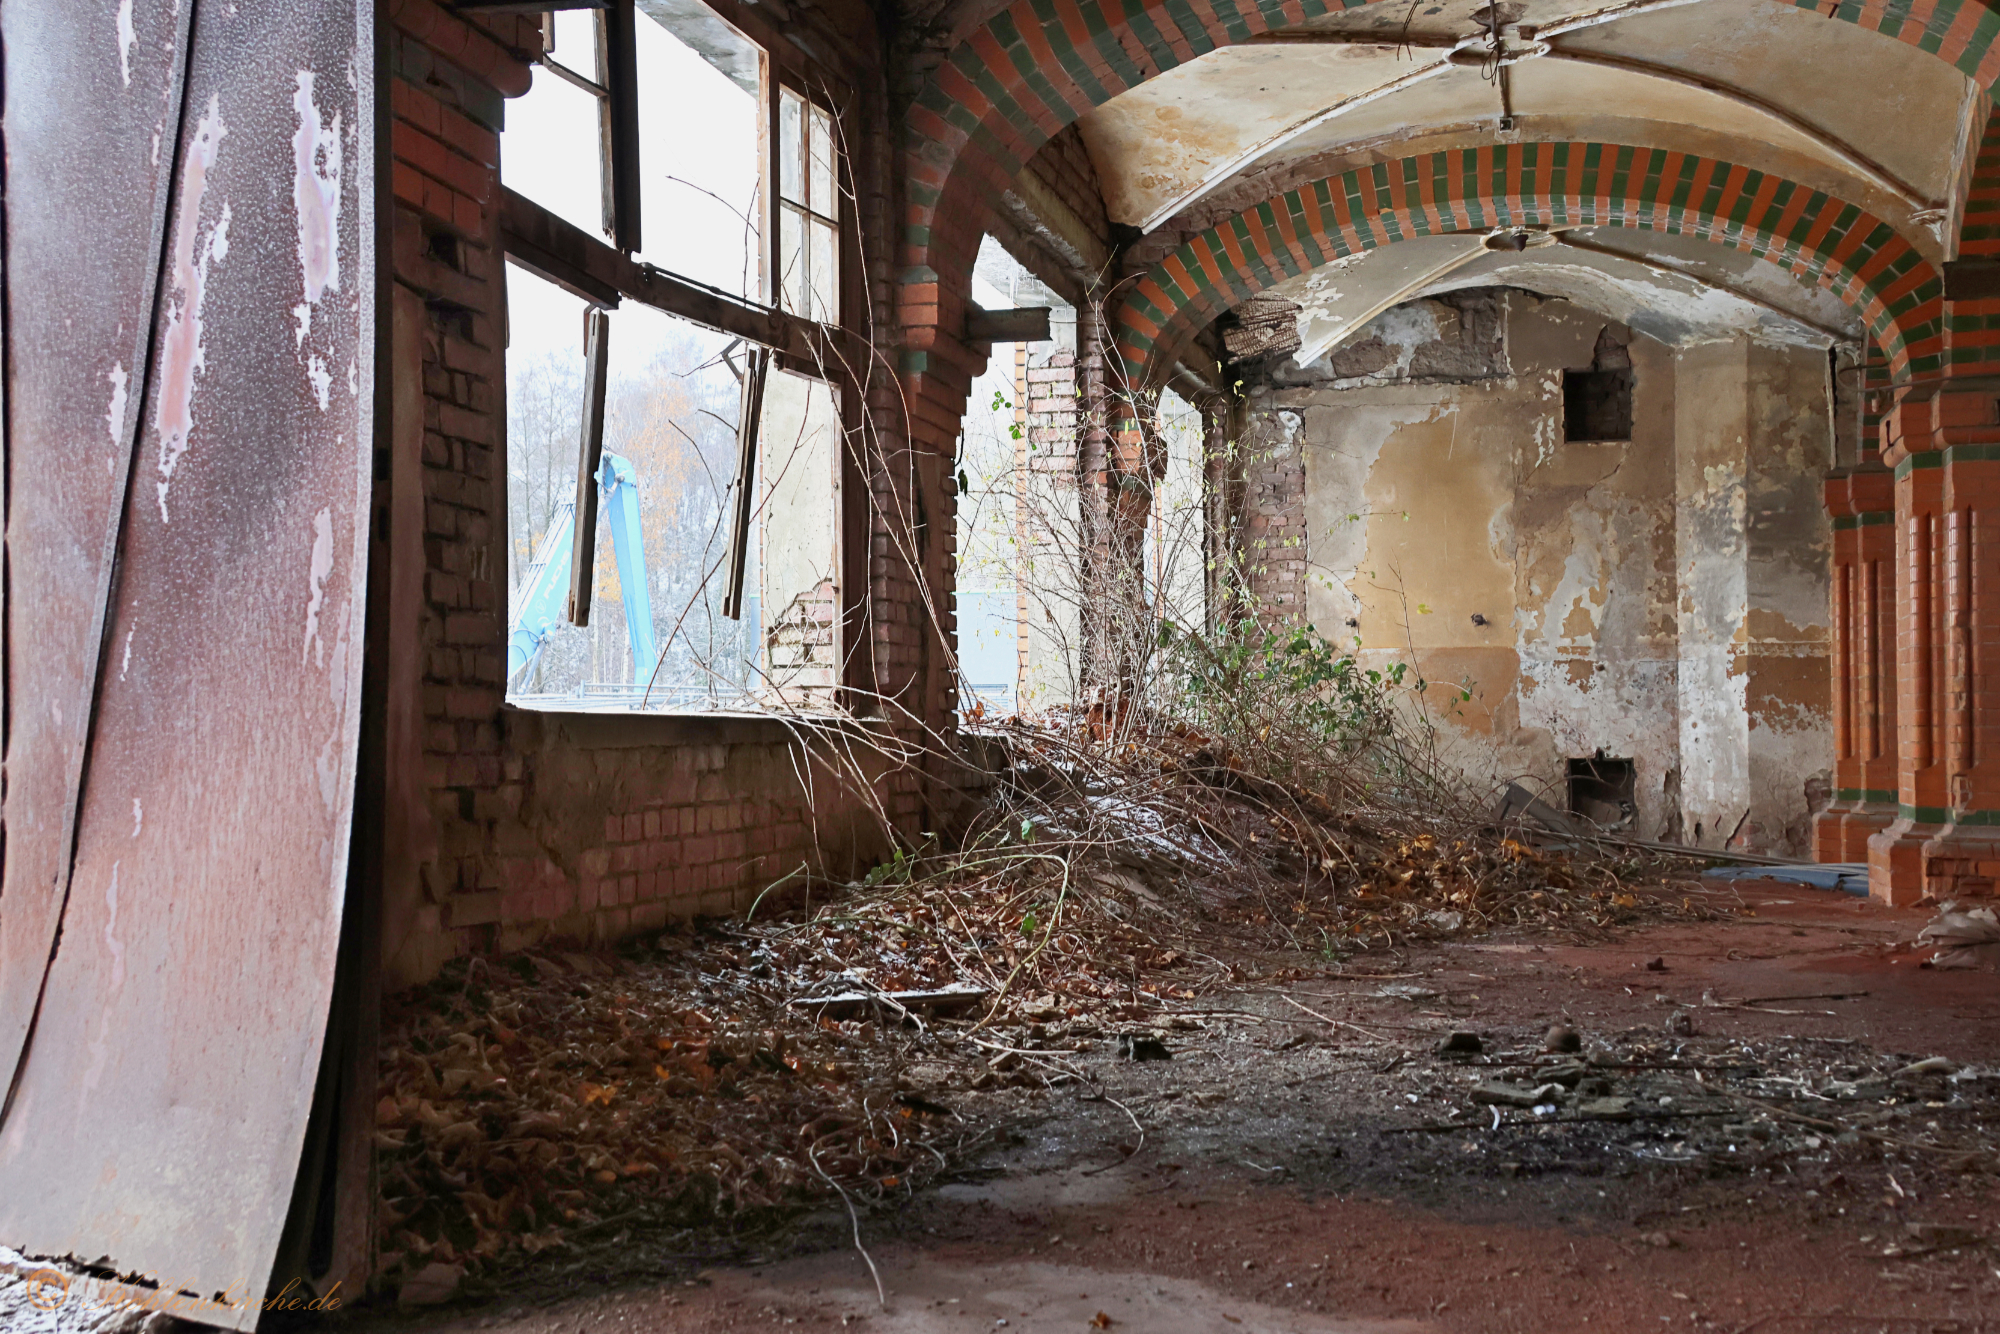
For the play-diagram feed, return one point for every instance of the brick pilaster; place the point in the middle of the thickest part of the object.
(1944, 443)
(1861, 502)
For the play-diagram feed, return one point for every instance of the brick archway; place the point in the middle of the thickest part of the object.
(1038, 65)
(1839, 245)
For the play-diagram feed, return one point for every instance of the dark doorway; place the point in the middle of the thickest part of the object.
(1601, 790)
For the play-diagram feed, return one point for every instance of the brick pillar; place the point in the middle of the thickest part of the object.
(1862, 505)
(1944, 444)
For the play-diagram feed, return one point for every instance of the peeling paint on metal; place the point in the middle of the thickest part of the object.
(322, 565)
(100, 1046)
(322, 382)
(316, 151)
(125, 39)
(182, 354)
(114, 417)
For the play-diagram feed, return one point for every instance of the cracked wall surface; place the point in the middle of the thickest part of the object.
(1660, 599)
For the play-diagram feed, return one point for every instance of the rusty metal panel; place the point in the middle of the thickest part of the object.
(160, 1106)
(92, 106)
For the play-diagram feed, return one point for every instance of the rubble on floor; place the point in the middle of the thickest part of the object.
(709, 1081)
(1963, 938)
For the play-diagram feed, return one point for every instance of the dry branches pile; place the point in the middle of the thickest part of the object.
(1121, 867)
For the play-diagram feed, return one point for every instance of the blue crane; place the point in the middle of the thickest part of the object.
(542, 600)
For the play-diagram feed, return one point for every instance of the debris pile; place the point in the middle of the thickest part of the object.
(536, 1102)
(1962, 938)
(1722, 1105)
(714, 1080)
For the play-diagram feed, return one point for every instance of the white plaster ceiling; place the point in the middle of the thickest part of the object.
(1675, 289)
(1230, 110)
(1856, 113)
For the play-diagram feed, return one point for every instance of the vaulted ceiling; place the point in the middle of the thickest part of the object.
(1864, 117)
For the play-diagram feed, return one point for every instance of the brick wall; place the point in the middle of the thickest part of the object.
(501, 825)
(1274, 551)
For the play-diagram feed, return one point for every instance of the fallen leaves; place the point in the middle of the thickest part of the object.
(528, 1102)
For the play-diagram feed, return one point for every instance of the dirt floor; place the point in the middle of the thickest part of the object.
(1739, 1143)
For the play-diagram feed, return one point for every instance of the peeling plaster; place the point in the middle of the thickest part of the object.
(1661, 599)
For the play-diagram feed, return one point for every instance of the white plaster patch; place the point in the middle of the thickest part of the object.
(322, 565)
(138, 817)
(182, 355)
(126, 664)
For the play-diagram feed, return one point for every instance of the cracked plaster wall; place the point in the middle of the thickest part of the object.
(1752, 537)
(1432, 497)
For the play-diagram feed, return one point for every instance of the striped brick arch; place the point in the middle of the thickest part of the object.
(1040, 64)
(1839, 245)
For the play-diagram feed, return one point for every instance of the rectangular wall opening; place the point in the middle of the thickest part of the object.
(1597, 405)
(1601, 790)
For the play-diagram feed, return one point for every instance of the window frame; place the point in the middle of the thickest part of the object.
(604, 275)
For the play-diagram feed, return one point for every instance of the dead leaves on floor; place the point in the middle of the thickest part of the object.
(529, 1102)
(546, 1101)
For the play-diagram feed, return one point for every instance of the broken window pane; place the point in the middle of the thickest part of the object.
(670, 436)
(700, 89)
(823, 305)
(549, 150)
(792, 273)
(798, 489)
(791, 167)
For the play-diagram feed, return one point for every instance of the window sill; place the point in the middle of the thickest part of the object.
(614, 729)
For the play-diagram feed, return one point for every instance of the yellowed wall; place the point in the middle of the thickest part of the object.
(1620, 614)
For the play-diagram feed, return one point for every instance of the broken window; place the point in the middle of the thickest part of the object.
(661, 630)
(601, 139)
(552, 150)
(701, 502)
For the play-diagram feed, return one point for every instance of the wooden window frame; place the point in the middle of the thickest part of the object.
(605, 275)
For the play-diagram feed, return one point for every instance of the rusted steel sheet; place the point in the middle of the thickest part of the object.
(92, 103)
(161, 1104)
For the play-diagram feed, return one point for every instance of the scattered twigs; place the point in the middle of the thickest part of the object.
(881, 1296)
(1100, 1095)
(1337, 1023)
